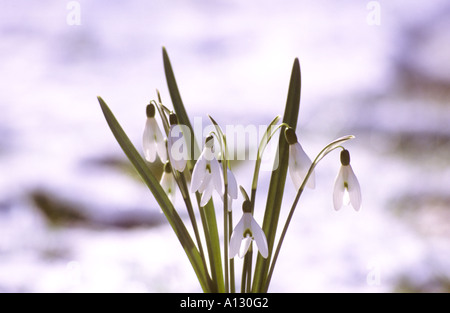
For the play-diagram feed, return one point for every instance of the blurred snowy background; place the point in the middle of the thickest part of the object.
(73, 216)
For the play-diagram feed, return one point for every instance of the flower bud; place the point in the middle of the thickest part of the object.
(167, 168)
(247, 206)
(345, 157)
(173, 119)
(209, 141)
(290, 135)
(150, 110)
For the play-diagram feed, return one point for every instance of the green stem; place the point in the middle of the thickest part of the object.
(247, 271)
(225, 235)
(223, 148)
(182, 184)
(244, 276)
(209, 224)
(328, 148)
(262, 146)
(249, 268)
(232, 274)
(248, 260)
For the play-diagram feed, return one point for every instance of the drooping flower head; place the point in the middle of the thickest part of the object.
(246, 231)
(299, 162)
(207, 176)
(232, 189)
(168, 182)
(176, 145)
(153, 141)
(346, 187)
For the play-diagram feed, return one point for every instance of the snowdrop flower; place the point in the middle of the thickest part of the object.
(232, 189)
(299, 162)
(153, 141)
(346, 188)
(168, 182)
(247, 230)
(206, 175)
(178, 157)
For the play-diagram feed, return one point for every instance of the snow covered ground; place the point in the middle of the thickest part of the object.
(387, 84)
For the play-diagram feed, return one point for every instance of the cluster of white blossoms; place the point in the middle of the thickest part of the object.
(208, 176)
(204, 173)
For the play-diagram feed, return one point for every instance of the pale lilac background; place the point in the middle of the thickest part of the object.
(386, 84)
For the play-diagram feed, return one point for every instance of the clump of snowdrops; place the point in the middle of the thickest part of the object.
(198, 173)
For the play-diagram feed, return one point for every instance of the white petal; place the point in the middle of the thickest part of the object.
(159, 141)
(236, 238)
(198, 174)
(299, 164)
(245, 244)
(354, 189)
(304, 163)
(230, 204)
(339, 189)
(179, 164)
(162, 151)
(217, 178)
(346, 197)
(177, 148)
(148, 141)
(169, 185)
(205, 183)
(232, 185)
(208, 154)
(311, 180)
(170, 141)
(247, 218)
(260, 239)
(207, 194)
(296, 179)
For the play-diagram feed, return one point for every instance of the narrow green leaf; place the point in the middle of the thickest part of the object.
(278, 179)
(159, 194)
(179, 108)
(207, 213)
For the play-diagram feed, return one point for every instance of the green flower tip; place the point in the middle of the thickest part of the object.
(150, 110)
(209, 141)
(290, 135)
(246, 206)
(345, 157)
(173, 119)
(167, 168)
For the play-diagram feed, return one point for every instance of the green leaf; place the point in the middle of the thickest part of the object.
(179, 108)
(207, 213)
(278, 179)
(160, 196)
